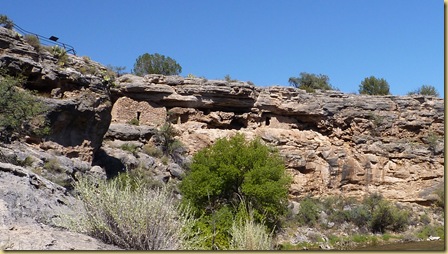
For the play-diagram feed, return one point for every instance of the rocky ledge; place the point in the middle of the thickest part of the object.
(333, 143)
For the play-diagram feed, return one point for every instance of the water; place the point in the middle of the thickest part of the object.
(423, 245)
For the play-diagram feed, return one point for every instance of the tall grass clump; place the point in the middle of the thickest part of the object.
(247, 234)
(128, 214)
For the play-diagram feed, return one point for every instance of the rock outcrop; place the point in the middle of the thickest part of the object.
(333, 143)
(75, 89)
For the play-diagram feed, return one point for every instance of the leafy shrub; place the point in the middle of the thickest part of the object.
(360, 216)
(374, 86)
(156, 64)
(134, 217)
(27, 162)
(6, 22)
(33, 41)
(425, 90)
(151, 150)
(385, 216)
(308, 211)
(432, 140)
(165, 138)
(234, 169)
(53, 165)
(440, 197)
(431, 230)
(60, 54)
(311, 82)
(132, 148)
(18, 109)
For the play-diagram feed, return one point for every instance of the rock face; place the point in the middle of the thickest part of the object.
(74, 89)
(28, 204)
(333, 143)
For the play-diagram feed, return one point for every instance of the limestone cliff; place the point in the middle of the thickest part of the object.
(73, 88)
(333, 143)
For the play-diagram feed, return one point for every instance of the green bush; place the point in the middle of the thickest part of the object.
(6, 22)
(311, 82)
(234, 169)
(53, 165)
(360, 216)
(386, 216)
(308, 212)
(33, 40)
(425, 90)
(156, 64)
(440, 202)
(134, 217)
(60, 54)
(132, 148)
(152, 150)
(20, 111)
(374, 86)
(166, 140)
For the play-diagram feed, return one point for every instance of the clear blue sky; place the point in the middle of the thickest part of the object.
(264, 41)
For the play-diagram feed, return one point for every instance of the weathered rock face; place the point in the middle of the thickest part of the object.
(73, 88)
(333, 143)
(28, 205)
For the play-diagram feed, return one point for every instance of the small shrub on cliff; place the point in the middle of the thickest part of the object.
(33, 41)
(425, 90)
(60, 54)
(132, 148)
(374, 86)
(311, 82)
(20, 111)
(151, 150)
(6, 22)
(133, 216)
(156, 64)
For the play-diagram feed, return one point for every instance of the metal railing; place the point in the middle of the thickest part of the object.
(47, 41)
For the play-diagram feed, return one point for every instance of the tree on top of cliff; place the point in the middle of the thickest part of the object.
(156, 64)
(310, 82)
(374, 86)
(426, 90)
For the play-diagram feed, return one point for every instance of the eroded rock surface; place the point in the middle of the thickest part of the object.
(333, 143)
(75, 90)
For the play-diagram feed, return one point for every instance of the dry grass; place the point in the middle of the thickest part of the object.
(133, 216)
(249, 235)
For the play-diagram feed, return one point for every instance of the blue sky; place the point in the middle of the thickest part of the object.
(263, 41)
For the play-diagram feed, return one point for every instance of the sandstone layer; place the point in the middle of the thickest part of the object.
(332, 142)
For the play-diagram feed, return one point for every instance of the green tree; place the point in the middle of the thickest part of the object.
(426, 90)
(156, 64)
(311, 82)
(233, 170)
(19, 109)
(374, 86)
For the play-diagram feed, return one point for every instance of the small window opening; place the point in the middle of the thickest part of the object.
(138, 115)
(268, 121)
